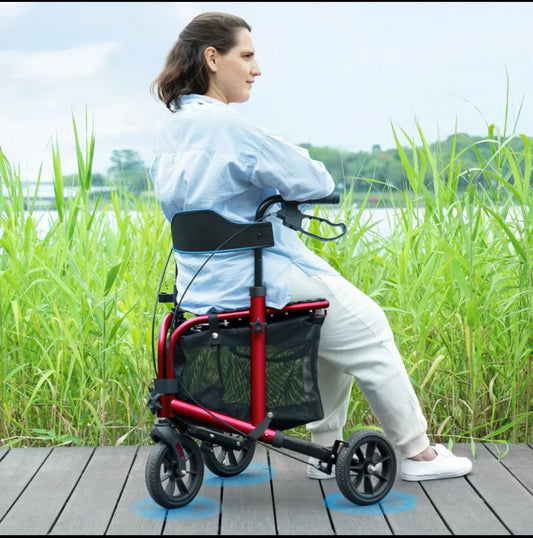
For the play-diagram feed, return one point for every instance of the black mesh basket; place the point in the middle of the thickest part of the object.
(212, 365)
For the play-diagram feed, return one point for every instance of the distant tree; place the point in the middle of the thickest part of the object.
(361, 171)
(380, 169)
(128, 170)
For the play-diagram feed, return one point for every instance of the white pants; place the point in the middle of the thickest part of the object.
(356, 341)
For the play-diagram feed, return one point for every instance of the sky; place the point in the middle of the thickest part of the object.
(339, 74)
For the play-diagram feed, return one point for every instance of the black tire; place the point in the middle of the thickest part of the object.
(167, 486)
(224, 461)
(366, 467)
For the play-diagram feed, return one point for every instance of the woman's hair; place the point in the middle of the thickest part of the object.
(185, 70)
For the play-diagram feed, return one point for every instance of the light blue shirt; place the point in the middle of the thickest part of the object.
(209, 156)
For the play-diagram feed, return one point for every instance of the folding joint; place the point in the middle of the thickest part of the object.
(258, 326)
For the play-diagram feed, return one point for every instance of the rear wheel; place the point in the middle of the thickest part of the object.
(366, 467)
(226, 461)
(174, 481)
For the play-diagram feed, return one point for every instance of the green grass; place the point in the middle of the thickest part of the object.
(455, 279)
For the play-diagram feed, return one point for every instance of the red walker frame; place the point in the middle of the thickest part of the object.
(364, 465)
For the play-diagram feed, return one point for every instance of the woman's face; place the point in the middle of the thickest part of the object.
(231, 75)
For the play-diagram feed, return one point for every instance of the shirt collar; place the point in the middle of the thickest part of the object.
(199, 99)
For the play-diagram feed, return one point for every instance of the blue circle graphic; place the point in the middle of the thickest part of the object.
(393, 503)
(198, 508)
(255, 473)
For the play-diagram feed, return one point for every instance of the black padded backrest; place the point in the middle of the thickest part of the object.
(206, 231)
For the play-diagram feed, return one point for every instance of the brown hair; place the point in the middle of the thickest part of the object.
(185, 71)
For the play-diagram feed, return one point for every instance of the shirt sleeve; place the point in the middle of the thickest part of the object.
(289, 169)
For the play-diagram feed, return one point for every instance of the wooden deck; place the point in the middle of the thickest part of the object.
(87, 490)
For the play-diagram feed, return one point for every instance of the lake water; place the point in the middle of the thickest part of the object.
(380, 217)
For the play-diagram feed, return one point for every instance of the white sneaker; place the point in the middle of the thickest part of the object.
(316, 474)
(445, 465)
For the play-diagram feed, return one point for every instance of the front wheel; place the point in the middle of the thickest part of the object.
(173, 480)
(366, 467)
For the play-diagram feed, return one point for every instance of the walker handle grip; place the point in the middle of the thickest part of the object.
(332, 198)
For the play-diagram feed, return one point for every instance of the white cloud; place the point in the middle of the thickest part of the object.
(186, 11)
(9, 11)
(334, 74)
(79, 62)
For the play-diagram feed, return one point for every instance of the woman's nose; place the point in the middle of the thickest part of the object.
(256, 70)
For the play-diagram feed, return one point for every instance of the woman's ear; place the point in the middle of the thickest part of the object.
(210, 55)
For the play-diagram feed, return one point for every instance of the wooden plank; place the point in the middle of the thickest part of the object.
(48, 491)
(415, 513)
(518, 461)
(298, 500)
(86, 490)
(200, 517)
(459, 502)
(136, 513)
(350, 518)
(92, 504)
(498, 488)
(464, 512)
(17, 469)
(247, 499)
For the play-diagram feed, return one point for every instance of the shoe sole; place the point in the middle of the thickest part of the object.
(415, 478)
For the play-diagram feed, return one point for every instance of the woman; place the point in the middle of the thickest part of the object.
(208, 156)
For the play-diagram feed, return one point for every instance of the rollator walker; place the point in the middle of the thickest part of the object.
(228, 381)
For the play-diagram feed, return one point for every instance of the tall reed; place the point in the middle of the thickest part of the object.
(454, 276)
(75, 313)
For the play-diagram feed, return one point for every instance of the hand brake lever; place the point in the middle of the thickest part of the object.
(291, 216)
